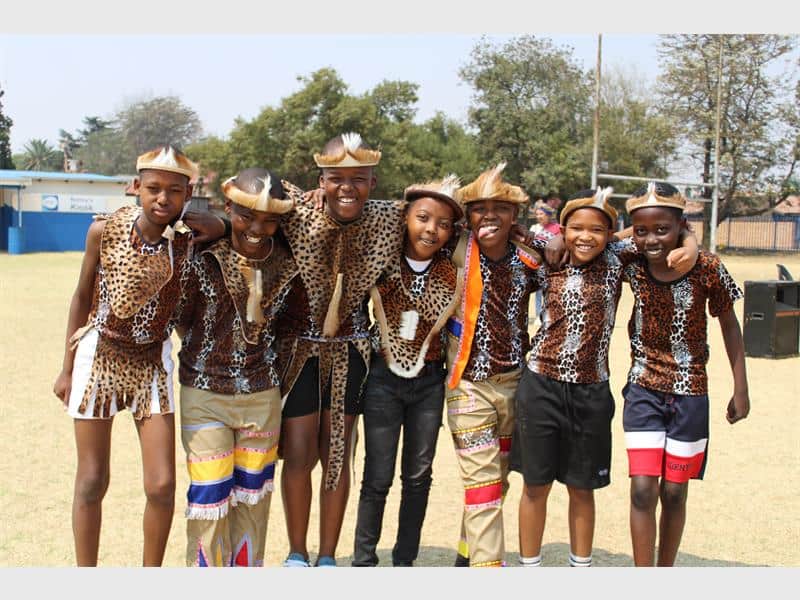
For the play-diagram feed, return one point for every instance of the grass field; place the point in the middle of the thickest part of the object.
(745, 513)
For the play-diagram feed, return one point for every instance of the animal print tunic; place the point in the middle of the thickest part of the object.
(136, 290)
(667, 328)
(410, 311)
(221, 350)
(578, 312)
(338, 265)
(501, 339)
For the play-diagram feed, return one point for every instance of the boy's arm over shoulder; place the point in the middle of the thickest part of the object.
(79, 306)
(624, 249)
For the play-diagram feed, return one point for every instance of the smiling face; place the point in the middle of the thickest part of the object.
(586, 234)
(251, 230)
(429, 225)
(656, 230)
(491, 222)
(346, 190)
(162, 195)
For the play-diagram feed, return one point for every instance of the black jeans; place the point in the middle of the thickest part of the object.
(392, 402)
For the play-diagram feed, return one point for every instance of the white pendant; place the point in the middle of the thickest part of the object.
(409, 320)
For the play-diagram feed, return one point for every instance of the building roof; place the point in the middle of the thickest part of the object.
(27, 177)
(788, 206)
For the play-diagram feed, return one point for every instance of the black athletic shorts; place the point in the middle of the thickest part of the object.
(562, 431)
(304, 399)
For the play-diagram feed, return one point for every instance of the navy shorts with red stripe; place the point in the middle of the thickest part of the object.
(666, 435)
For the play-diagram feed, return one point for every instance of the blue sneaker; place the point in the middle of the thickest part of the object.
(326, 561)
(295, 559)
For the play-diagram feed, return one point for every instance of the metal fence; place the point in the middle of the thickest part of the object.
(766, 233)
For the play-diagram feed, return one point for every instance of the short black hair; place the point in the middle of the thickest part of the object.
(588, 193)
(662, 189)
(252, 181)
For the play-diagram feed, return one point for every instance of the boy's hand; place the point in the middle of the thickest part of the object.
(684, 257)
(738, 408)
(521, 235)
(315, 197)
(206, 226)
(555, 252)
(679, 258)
(63, 386)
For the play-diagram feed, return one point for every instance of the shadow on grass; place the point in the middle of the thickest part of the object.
(553, 555)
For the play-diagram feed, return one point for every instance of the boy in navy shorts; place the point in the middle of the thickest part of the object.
(666, 402)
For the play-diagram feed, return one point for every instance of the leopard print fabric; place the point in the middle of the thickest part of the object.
(221, 351)
(501, 336)
(135, 293)
(668, 325)
(324, 249)
(132, 278)
(432, 294)
(579, 310)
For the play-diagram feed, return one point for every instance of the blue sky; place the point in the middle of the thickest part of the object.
(61, 61)
(53, 81)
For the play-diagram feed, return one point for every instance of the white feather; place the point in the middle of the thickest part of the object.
(651, 193)
(351, 141)
(449, 185)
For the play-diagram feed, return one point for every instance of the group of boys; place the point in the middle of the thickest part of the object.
(276, 348)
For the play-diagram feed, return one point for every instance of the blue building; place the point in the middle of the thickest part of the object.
(44, 211)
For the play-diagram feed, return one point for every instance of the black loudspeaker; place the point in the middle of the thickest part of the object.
(771, 318)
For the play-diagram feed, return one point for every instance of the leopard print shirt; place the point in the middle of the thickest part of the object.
(221, 351)
(135, 288)
(667, 328)
(501, 338)
(578, 312)
(430, 295)
(323, 248)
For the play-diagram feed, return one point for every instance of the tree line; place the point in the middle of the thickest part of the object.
(532, 106)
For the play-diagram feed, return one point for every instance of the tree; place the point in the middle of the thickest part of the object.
(110, 146)
(92, 125)
(750, 104)
(39, 155)
(531, 109)
(789, 149)
(634, 139)
(107, 152)
(149, 123)
(284, 138)
(6, 162)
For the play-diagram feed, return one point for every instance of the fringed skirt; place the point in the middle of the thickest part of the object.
(108, 377)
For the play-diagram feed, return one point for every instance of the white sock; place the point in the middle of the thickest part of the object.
(530, 561)
(580, 561)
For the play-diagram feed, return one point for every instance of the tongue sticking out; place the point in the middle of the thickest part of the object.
(486, 231)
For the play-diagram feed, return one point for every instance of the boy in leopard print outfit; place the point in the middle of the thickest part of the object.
(666, 414)
(230, 389)
(563, 402)
(117, 353)
(405, 387)
(324, 339)
(485, 355)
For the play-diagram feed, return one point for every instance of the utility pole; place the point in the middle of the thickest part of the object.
(596, 140)
(712, 242)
